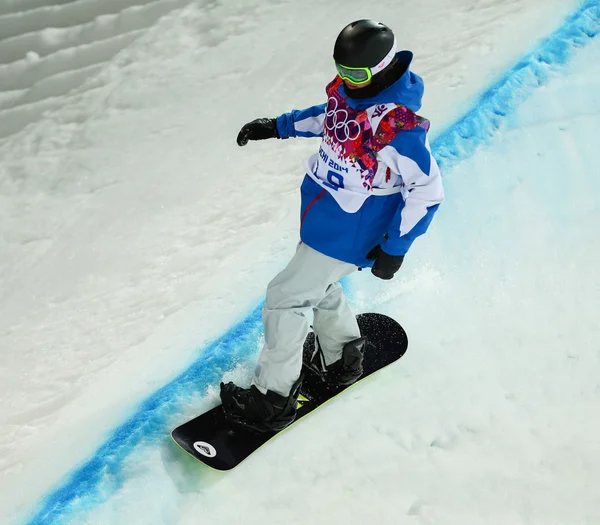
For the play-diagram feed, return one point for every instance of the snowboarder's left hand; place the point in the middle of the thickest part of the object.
(386, 265)
(259, 129)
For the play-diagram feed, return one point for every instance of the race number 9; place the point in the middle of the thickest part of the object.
(334, 180)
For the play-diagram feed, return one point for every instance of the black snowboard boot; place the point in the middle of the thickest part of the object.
(250, 408)
(346, 370)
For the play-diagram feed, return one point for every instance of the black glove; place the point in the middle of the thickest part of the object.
(386, 265)
(259, 129)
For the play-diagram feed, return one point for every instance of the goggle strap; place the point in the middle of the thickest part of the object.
(387, 59)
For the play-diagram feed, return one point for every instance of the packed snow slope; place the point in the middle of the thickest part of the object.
(49, 48)
(133, 231)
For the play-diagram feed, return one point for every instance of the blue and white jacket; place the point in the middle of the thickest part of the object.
(374, 180)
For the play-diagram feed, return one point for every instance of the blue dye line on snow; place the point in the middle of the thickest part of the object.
(480, 124)
(93, 482)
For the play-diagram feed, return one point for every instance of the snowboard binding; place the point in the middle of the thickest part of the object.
(251, 409)
(346, 370)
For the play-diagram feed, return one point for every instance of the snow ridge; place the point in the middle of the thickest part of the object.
(47, 51)
(96, 480)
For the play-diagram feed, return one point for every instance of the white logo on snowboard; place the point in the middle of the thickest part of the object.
(206, 449)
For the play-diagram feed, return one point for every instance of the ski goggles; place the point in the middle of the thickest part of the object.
(362, 75)
(356, 75)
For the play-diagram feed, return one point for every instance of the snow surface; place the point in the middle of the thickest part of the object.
(133, 232)
(48, 51)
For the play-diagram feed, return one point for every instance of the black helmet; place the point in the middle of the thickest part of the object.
(364, 43)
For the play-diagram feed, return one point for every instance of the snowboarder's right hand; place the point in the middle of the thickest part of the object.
(259, 129)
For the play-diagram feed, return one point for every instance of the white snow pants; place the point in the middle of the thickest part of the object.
(308, 285)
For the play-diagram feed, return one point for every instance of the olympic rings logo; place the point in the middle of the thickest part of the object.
(336, 121)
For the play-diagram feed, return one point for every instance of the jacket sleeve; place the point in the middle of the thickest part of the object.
(302, 122)
(409, 155)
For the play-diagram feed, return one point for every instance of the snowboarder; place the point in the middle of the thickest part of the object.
(370, 190)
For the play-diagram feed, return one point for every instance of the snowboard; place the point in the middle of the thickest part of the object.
(209, 438)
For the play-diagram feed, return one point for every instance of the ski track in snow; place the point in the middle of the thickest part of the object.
(85, 60)
(49, 50)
